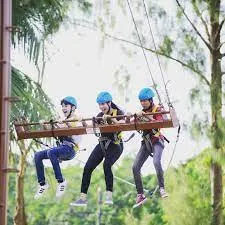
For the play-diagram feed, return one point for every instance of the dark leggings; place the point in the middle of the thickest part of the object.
(111, 155)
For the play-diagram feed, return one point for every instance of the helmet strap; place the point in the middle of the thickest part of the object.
(109, 107)
(71, 110)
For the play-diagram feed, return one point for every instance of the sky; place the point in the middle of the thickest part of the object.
(80, 67)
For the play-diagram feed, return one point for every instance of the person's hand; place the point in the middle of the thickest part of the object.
(60, 121)
(41, 122)
(148, 117)
(128, 117)
(140, 114)
(79, 118)
(114, 120)
(129, 114)
(105, 117)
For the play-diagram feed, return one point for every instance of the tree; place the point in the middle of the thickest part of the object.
(35, 25)
(34, 105)
(196, 44)
(37, 20)
(209, 16)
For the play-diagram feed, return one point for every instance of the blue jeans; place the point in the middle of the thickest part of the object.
(62, 152)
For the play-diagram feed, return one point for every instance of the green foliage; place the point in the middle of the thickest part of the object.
(32, 17)
(37, 20)
(188, 202)
(189, 188)
(85, 6)
(34, 104)
(155, 10)
(199, 126)
(11, 199)
(190, 51)
(122, 81)
(167, 46)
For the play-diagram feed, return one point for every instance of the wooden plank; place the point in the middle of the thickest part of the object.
(22, 134)
(25, 123)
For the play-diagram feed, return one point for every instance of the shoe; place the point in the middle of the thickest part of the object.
(109, 198)
(163, 193)
(79, 202)
(140, 200)
(60, 191)
(41, 190)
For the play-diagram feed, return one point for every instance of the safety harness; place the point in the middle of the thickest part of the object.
(153, 133)
(105, 141)
(64, 140)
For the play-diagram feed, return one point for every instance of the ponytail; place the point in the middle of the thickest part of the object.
(114, 106)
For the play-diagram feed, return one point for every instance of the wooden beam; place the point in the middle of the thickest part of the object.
(57, 132)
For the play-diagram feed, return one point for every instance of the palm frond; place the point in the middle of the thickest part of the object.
(34, 104)
(37, 20)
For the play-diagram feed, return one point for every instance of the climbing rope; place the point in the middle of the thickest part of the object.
(139, 38)
(157, 55)
(162, 75)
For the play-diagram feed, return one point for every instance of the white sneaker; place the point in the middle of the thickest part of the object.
(163, 193)
(41, 190)
(61, 189)
(108, 198)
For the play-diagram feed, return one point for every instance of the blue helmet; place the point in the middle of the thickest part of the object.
(145, 94)
(104, 97)
(69, 100)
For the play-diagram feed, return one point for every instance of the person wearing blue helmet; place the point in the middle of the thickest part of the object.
(65, 150)
(109, 148)
(151, 145)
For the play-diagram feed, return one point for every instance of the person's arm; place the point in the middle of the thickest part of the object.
(60, 123)
(99, 121)
(120, 119)
(77, 118)
(158, 116)
(45, 126)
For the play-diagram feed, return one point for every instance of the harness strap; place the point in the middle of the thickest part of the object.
(131, 136)
(166, 139)
(148, 144)
(94, 126)
(135, 124)
(53, 134)
(104, 143)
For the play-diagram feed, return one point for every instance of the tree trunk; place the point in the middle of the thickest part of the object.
(216, 110)
(20, 216)
(217, 193)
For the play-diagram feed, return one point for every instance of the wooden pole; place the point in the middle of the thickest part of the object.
(5, 75)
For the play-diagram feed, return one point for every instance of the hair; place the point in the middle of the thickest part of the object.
(114, 106)
(67, 103)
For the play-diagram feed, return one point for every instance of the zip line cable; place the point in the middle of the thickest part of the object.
(163, 78)
(157, 55)
(164, 82)
(153, 81)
